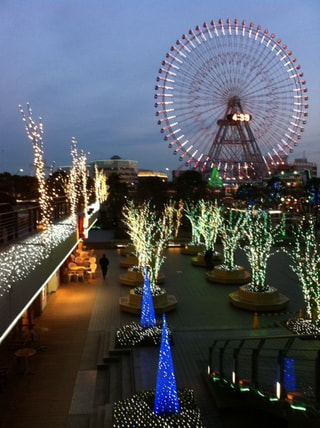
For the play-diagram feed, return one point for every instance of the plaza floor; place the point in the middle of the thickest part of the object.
(65, 388)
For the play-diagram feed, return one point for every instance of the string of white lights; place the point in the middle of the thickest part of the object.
(34, 133)
(100, 184)
(21, 258)
(260, 238)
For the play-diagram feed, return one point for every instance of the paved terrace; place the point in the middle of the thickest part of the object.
(75, 378)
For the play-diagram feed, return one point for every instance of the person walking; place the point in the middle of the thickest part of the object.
(104, 264)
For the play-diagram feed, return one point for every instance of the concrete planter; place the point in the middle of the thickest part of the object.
(134, 278)
(200, 261)
(221, 275)
(162, 303)
(129, 249)
(134, 275)
(270, 300)
(192, 249)
(129, 260)
(135, 299)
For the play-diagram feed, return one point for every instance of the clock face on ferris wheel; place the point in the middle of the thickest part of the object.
(231, 95)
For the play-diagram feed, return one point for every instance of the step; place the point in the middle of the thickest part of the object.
(102, 349)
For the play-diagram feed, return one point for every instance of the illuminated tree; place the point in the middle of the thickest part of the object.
(166, 396)
(306, 264)
(34, 133)
(136, 218)
(57, 183)
(192, 213)
(77, 189)
(147, 315)
(210, 220)
(260, 238)
(100, 185)
(83, 174)
(214, 180)
(231, 231)
(167, 226)
(150, 234)
(174, 215)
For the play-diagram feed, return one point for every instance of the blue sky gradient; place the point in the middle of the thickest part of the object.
(89, 67)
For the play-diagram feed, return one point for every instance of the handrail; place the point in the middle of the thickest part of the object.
(263, 363)
(19, 223)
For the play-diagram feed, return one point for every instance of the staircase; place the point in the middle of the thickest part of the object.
(114, 382)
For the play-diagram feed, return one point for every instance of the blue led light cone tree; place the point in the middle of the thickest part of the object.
(147, 315)
(166, 396)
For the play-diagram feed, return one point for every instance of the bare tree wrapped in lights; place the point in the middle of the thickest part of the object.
(231, 231)
(210, 220)
(167, 226)
(306, 264)
(192, 213)
(174, 215)
(34, 133)
(150, 234)
(73, 189)
(136, 219)
(77, 189)
(260, 238)
(100, 185)
(83, 175)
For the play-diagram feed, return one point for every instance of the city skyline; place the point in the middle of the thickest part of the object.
(89, 70)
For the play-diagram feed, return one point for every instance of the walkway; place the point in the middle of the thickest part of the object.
(67, 389)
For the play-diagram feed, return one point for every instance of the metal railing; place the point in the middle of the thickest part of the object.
(276, 366)
(23, 220)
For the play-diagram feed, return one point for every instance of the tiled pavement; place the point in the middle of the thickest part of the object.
(77, 327)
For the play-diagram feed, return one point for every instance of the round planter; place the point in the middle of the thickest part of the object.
(134, 275)
(129, 260)
(258, 297)
(127, 250)
(162, 303)
(135, 299)
(200, 261)
(192, 249)
(270, 300)
(134, 278)
(221, 275)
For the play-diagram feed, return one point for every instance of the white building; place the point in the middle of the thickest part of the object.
(127, 170)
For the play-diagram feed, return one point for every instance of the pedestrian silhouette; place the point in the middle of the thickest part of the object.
(104, 264)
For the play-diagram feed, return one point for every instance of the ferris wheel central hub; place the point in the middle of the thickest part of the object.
(234, 102)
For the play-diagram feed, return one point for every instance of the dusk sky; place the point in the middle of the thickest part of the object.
(89, 68)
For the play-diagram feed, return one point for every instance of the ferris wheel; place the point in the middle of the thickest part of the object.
(231, 95)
